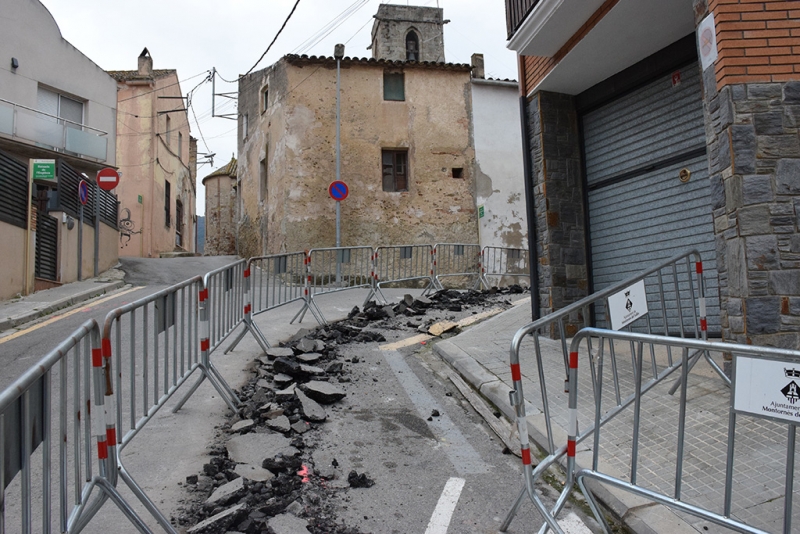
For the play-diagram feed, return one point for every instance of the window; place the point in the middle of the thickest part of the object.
(265, 98)
(178, 223)
(458, 172)
(395, 170)
(180, 145)
(412, 46)
(244, 126)
(61, 106)
(166, 204)
(168, 133)
(263, 175)
(394, 86)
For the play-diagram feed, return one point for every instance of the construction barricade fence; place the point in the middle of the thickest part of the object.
(665, 299)
(403, 264)
(461, 260)
(499, 264)
(154, 345)
(63, 407)
(726, 457)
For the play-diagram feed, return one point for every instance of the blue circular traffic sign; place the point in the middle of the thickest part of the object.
(83, 192)
(338, 190)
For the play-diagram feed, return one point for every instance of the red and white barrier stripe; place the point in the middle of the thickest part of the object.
(248, 308)
(522, 422)
(702, 299)
(203, 325)
(572, 431)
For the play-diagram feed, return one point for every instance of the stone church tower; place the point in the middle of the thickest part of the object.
(408, 33)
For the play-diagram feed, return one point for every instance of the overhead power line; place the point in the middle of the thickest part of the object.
(273, 40)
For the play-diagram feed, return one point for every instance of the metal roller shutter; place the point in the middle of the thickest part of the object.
(640, 211)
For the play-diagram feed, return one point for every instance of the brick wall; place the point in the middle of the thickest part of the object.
(757, 41)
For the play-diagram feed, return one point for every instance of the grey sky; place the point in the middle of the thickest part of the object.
(193, 36)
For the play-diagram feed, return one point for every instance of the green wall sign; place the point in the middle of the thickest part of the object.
(480, 212)
(43, 169)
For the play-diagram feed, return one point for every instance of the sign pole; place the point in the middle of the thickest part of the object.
(96, 228)
(338, 53)
(80, 242)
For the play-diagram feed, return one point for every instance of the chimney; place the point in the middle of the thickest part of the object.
(145, 63)
(477, 66)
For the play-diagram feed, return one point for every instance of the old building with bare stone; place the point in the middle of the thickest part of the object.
(407, 145)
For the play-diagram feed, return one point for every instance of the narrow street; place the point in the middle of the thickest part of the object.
(423, 459)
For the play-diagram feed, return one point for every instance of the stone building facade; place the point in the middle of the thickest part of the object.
(222, 201)
(407, 148)
(421, 145)
(408, 33)
(735, 68)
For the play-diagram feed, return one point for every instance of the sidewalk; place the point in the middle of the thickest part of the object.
(481, 355)
(18, 311)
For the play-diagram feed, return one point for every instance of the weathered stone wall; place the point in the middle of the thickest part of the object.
(296, 135)
(220, 215)
(393, 22)
(554, 140)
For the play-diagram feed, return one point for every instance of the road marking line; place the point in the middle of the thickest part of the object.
(455, 446)
(440, 520)
(65, 315)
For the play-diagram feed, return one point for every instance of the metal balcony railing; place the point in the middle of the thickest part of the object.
(53, 132)
(516, 11)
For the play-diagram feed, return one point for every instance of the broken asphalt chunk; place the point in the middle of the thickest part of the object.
(311, 410)
(323, 392)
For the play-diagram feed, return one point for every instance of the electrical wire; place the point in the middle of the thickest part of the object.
(160, 88)
(274, 39)
(326, 30)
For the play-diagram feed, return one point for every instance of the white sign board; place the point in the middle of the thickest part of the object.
(627, 305)
(707, 41)
(767, 388)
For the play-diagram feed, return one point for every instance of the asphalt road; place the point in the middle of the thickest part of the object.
(26, 345)
(447, 470)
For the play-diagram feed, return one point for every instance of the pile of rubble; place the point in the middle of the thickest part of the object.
(263, 475)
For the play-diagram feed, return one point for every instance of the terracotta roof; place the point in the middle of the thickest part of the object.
(295, 59)
(226, 170)
(129, 75)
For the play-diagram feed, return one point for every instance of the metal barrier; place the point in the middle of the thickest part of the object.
(456, 259)
(270, 282)
(162, 340)
(684, 314)
(84, 404)
(330, 270)
(403, 264)
(499, 262)
(764, 391)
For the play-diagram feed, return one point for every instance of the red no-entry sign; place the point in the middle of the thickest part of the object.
(107, 178)
(338, 190)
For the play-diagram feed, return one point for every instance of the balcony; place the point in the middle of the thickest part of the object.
(48, 131)
(516, 11)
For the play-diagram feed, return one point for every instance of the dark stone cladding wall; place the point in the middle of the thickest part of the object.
(754, 159)
(554, 141)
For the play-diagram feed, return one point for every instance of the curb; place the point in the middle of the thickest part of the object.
(47, 309)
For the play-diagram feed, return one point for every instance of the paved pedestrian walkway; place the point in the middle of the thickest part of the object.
(20, 310)
(481, 355)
